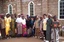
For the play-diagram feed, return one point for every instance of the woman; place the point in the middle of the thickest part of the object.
(28, 23)
(7, 24)
(19, 26)
(41, 27)
(37, 29)
(56, 27)
(13, 25)
(31, 25)
(3, 27)
(28, 26)
(32, 22)
(24, 28)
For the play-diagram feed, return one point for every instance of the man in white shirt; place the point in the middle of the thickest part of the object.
(45, 24)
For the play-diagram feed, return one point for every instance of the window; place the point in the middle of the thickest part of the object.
(31, 9)
(10, 7)
(61, 9)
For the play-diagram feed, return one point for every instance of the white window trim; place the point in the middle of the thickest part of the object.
(9, 9)
(59, 10)
(29, 8)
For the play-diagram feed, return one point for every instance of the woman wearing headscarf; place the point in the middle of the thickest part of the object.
(56, 27)
(19, 25)
(24, 28)
(7, 24)
(13, 25)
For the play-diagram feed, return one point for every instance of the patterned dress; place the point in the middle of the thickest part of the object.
(13, 26)
(24, 28)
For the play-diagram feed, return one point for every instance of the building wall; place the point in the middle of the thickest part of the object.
(53, 9)
(1, 7)
(44, 6)
(5, 5)
(16, 6)
(37, 8)
(21, 6)
(41, 7)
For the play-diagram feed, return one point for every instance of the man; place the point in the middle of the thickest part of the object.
(48, 31)
(44, 25)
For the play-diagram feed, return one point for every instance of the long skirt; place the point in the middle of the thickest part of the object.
(7, 29)
(19, 28)
(37, 32)
(24, 30)
(56, 35)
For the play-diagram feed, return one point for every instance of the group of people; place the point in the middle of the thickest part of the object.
(45, 27)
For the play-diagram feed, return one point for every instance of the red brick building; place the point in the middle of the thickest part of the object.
(33, 7)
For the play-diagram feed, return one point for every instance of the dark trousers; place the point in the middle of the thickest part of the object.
(44, 34)
(3, 33)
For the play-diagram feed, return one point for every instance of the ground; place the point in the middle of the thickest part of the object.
(23, 39)
(31, 39)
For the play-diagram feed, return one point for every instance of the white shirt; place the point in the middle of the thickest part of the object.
(44, 23)
(19, 20)
(45, 20)
(23, 21)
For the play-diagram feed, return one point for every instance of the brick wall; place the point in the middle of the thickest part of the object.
(37, 8)
(13, 3)
(53, 9)
(1, 6)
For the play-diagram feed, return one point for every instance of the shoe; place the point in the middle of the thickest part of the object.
(46, 41)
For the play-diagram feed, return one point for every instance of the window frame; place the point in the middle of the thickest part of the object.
(9, 8)
(59, 10)
(29, 8)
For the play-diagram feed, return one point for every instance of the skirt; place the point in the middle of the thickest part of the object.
(37, 31)
(19, 28)
(24, 30)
